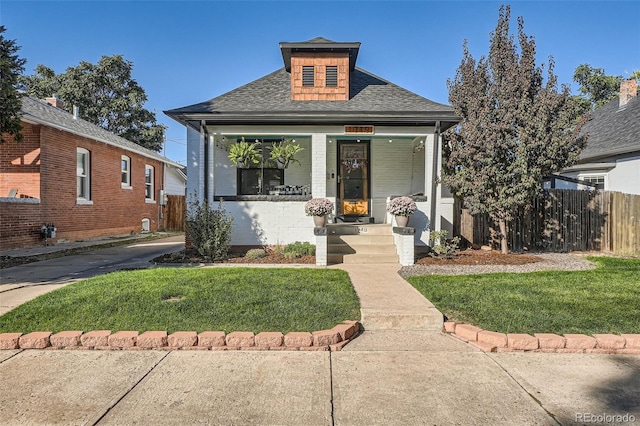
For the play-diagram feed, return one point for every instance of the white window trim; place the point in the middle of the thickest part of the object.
(125, 185)
(87, 182)
(150, 200)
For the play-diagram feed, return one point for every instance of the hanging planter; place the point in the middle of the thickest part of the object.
(242, 154)
(285, 152)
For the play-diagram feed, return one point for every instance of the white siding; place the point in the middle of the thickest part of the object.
(174, 182)
(395, 170)
(625, 177)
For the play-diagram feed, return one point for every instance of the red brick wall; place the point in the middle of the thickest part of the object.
(19, 224)
(319, 92)
(20, 163)
(114, 210)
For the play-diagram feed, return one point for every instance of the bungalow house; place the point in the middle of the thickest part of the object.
(611, 159)
(365, 140)
(76, 180)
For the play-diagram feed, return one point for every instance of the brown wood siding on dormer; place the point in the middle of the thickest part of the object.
(319, 91)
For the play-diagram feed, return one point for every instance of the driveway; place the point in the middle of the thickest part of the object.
(20, 284)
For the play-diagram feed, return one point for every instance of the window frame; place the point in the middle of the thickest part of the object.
(85, 186)
(149, 187)
(265, 165)
(125, 184)
(326, 73)
(306, 69)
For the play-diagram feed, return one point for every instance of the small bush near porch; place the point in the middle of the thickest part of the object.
(603, 300)
(179, 299)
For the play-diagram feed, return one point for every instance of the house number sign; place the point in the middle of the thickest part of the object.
(359, 130)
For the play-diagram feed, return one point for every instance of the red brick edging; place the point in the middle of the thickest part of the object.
(324, 340)
(491, 341)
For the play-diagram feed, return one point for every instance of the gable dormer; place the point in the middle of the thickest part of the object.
(319, 68)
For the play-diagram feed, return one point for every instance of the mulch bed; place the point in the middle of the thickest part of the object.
(479, 257)
(466, 257)
(192, 256)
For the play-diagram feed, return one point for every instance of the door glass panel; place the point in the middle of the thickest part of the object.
(354, 178)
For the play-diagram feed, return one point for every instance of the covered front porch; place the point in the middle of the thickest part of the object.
(359, 173)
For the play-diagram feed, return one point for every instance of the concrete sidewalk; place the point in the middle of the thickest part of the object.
(441, 381)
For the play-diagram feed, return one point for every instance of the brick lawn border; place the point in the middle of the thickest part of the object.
(491, 341)
(324, 340)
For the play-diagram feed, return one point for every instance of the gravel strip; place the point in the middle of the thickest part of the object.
(550, 261)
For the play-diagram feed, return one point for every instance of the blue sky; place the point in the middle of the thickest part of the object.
(185, 52)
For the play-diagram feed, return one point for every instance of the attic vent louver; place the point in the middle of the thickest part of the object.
(332, 76)
(308, 76)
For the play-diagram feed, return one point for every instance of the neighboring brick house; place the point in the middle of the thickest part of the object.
(365, 141)
(84, 180)
(611, 158)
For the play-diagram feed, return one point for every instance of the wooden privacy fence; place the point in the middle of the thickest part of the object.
(175, 212)
(563, 220)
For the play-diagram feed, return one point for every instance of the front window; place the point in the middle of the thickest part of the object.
(125, 171)
(149, 177)
(263, 178)
(83, 175)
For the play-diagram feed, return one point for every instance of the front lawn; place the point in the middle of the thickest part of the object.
(603, 300)
(181, 299)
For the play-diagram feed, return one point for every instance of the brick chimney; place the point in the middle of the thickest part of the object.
(628, 90)
(54, 101)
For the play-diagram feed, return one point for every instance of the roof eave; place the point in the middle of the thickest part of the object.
(391, 118)
(30, 118)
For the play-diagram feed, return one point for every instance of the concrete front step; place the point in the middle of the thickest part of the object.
(362, 258)
(359, 229)
(361, 248)
(360, 239)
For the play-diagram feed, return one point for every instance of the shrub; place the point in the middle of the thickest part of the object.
(401, 206)
(441, 245)
(255, 254)
(298, 249)
(318, 207)
(208, 229)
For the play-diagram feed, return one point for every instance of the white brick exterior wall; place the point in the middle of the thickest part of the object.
(269, 223)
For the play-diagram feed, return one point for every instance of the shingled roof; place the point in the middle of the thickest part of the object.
(40, 112)
(267, 100)
(612, 130)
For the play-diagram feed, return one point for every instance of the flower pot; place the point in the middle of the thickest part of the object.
(402, 221)
(282, 163)
(320, 221)
(243, 164)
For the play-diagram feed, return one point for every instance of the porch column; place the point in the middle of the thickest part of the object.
(430, 167)
(319, 165)
(210, 168)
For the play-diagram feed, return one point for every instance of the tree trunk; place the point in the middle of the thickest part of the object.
(503, 235)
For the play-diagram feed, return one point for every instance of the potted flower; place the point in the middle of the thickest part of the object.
(402, 208)
(242, 154)
(285, 152)
(319, 208)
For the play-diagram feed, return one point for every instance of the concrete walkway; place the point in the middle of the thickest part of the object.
(400, 371)
(388, 302)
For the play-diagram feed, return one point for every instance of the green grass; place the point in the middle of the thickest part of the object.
(181, 299)
(604, 300)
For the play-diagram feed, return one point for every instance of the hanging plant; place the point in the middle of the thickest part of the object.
(285, 152)
(242, 154)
